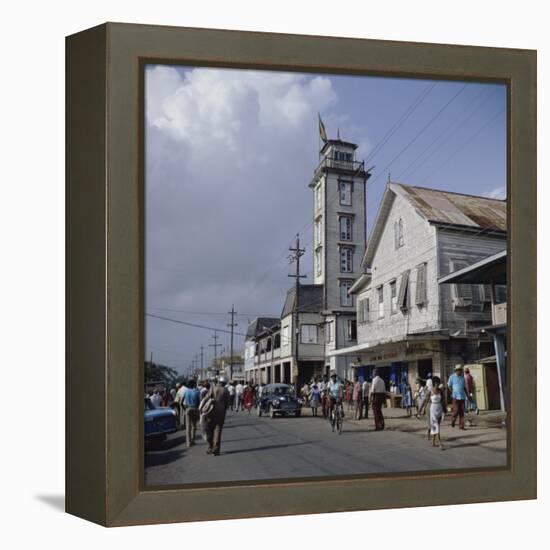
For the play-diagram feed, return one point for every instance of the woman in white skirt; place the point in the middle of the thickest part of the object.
(436, 411)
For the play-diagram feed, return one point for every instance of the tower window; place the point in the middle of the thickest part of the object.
(346, 299)
(352, 329)
(318, 264)
(345, 228)
(346, 259)
(318, 232)
(318, 197)
(345, 188)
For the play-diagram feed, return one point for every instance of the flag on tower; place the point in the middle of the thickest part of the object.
(322, 131)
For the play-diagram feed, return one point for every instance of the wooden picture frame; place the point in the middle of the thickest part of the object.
(104, 184)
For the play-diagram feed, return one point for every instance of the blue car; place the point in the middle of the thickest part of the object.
(279, 399)
(159, 421)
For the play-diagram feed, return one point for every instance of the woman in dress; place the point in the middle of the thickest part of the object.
(248, 397)
(314, 399)
(437, 407)
(407, 396)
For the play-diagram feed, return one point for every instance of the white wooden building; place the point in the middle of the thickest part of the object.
(408, 324)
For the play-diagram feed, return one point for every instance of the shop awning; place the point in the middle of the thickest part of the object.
(368, 346)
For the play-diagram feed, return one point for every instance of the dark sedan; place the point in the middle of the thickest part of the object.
(279, 399)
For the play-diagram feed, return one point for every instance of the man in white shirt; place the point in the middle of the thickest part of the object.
(378, 398)
(239, 390)
(179, 400)
(156, 399)
(231, 391)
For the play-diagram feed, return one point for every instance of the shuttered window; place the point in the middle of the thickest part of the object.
(421, 285)
(393, 296)
(363, 310)
(403, 298)
(462, 294)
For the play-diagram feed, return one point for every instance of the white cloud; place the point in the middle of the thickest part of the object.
(229, 155)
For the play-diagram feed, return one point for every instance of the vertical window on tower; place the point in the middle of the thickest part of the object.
(318, 197)
(345, 189)
(318, 264)
(346, 299)
(318, 232)
(352, 329)
(345, 228)
(346, 259)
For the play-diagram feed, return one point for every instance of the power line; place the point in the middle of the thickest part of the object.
(425, 127)
(178, 321)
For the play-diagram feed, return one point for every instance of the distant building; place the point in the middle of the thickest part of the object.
(408, 324)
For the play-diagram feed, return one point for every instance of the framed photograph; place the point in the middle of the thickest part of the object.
(301, 274)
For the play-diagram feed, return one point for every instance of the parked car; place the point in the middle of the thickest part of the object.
(279, 399)
(159, 421)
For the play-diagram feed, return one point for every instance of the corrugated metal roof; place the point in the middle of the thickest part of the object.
(451, 208)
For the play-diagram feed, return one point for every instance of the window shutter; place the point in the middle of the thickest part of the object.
(403, 298)
(486, 293)
(421, 290)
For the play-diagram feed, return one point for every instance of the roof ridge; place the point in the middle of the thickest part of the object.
(445, 191)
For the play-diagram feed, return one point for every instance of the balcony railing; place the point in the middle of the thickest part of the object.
(351, 167)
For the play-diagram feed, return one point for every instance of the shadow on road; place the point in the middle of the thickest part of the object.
(268, 447)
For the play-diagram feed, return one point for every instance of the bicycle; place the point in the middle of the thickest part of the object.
(337, 417)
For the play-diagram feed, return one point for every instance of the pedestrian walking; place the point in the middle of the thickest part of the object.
(304, 392)
(420, 394)
(216, 418)
(248, 397)
(191, 400)
(437, 411)
(407, 396)
(239, 390)
(324, 398)
(179, 400)
(457, 385)
(471, 404)
(314, 399)
(231, 391)
(378, 398)
(358, 399)
(366, 390)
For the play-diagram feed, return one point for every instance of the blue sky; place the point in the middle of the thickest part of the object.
(229, 154)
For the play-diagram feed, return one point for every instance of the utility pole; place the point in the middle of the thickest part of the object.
(297, 253)
(232, 325)
(215, 345)
(202, 362)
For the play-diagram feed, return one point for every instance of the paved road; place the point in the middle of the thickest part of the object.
(263, 448)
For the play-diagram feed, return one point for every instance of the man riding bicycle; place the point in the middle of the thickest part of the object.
(334, 392)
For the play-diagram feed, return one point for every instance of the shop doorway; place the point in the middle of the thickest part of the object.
(425, 368)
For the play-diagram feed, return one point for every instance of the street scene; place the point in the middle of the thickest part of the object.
(261, 448)
(326, 286)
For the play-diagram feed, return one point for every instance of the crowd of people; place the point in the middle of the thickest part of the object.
(207, 401)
